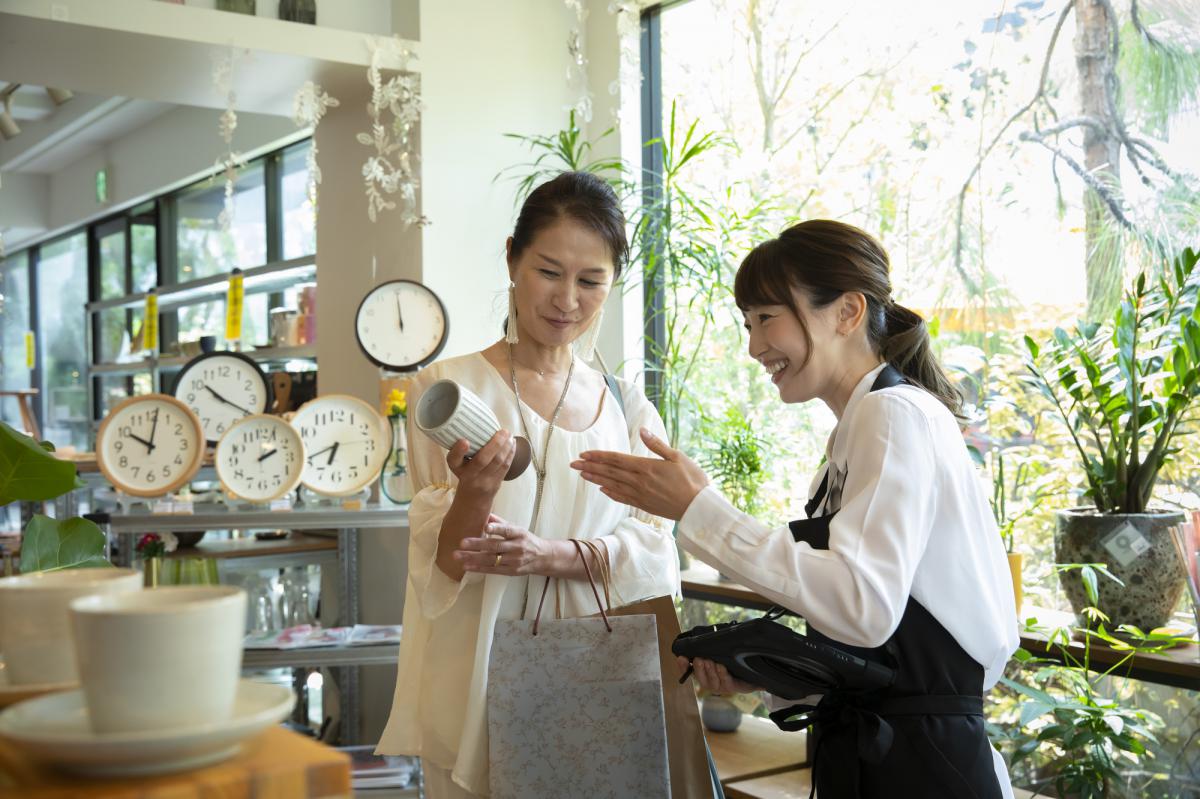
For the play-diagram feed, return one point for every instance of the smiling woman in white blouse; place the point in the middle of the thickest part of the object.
(898, 559)
(475, 540)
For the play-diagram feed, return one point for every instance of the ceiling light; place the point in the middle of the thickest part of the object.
(9, 129)
(59, 96)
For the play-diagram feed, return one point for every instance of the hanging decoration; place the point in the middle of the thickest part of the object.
(629, 72)
(231, 160)
(308, 106)
(392, 169)
(577, 68)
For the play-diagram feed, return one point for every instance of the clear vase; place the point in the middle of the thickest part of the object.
(395, 481)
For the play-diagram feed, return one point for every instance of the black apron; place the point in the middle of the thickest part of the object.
(923, 736)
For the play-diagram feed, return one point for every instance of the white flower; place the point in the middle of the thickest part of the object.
(170, 542)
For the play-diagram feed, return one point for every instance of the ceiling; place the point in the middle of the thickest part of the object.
(54, 136)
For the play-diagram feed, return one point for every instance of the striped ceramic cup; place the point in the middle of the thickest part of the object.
(448, 412)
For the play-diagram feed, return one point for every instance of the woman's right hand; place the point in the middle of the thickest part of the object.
(481, 476)
(715, 678)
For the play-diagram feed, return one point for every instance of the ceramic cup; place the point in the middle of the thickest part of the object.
(447, 412)
(36, 634)
(160, 658)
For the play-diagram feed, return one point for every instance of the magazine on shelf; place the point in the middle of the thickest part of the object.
(369, 770)
(310, 636)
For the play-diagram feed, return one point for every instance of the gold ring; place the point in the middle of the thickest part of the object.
(498, 559)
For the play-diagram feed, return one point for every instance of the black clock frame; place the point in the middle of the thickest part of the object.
(270, 391)
(406, 367)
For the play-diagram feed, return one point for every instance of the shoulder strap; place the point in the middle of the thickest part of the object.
(611, 382)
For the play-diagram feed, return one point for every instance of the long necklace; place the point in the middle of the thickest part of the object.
(539, 469)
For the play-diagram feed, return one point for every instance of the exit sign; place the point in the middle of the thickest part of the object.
(101, 185)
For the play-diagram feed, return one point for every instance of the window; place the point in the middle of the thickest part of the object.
(205, 247)
(14, 324)
(299, 216)
(62, 294)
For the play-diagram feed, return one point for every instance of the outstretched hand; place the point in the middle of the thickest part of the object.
(662, 486)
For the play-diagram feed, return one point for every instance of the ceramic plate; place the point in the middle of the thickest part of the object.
(55, 730)
(11, 694)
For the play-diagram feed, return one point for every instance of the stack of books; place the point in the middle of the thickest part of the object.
(372, 772)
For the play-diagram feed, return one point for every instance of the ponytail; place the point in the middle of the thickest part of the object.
(906, 345)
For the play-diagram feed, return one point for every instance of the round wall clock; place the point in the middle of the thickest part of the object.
(220, 388)
(401, 325)
(149, 445)
(260, 458)
(345, 442)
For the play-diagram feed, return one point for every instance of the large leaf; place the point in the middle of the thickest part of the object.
(29, 472)
(51, 545)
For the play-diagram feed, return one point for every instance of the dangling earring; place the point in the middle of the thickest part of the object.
(585, 347)
(510, 327)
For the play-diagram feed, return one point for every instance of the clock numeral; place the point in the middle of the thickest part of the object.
(123, 462)
(178, 460)
(178, 428)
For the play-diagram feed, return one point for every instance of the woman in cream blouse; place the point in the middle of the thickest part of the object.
(471, 556)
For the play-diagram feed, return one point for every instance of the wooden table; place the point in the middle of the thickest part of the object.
(1179, 667)
(279, 764)
(794, 784)
(757, 748)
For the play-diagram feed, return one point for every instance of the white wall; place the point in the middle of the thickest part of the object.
(487, 69)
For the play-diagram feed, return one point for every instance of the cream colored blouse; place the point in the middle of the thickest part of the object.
(439, 711)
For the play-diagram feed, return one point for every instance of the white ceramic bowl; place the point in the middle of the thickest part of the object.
(36, 635)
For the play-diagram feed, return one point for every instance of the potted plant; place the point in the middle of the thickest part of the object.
(30, 472)
(1073, 730)
(1124, 390)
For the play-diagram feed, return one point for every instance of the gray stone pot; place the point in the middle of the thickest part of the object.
(1151, 571)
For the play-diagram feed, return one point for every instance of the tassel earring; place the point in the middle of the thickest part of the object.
(585, 347)
(510, 327)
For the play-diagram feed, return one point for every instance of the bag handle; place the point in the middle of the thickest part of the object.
(605, 574)
(588, 571)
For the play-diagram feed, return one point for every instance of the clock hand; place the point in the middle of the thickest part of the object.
(332, 452)
(139, 439)
(399, 313)
(227, 402)
(266, 455)
(153, 430)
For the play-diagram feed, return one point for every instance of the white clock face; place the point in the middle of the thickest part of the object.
(260, 458)
(401, 325)
(221, 388)
(150, 445)
(345, 443)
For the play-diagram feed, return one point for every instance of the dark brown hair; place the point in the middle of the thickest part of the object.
(825, 259)
(580, 196)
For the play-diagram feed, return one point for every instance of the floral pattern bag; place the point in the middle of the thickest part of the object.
(575, 708)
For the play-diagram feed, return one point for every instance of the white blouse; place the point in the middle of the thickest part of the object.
(439, 711)
(911, 519)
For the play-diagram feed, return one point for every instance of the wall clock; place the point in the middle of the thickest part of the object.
(345, 443)
(150, 445)
(260, 458)
(220, 388)
(401, 325)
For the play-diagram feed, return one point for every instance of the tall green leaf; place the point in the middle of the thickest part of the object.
(29, 472)
(52, 545)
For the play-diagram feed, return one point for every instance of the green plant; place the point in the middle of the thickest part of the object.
(734, 458)
(30, 473)
(1124, 389)
(1070, 723)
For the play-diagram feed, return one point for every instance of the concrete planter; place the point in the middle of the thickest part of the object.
(1137, 548)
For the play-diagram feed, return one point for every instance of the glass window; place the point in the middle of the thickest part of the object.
(111, 389)
(62, 294)
(205, 246)
(14, 323)
(299, 215)
(112, 262)
(208, 319)
(144, 256)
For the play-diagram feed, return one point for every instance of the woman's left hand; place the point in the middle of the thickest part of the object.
(660, 486)
(506, 549)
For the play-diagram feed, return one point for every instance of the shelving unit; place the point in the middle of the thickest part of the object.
(266, 279)
(344, 660)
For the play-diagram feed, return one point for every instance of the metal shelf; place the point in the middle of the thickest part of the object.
(256, 280)
(262, 354)
(211, 516)
(322, 657)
